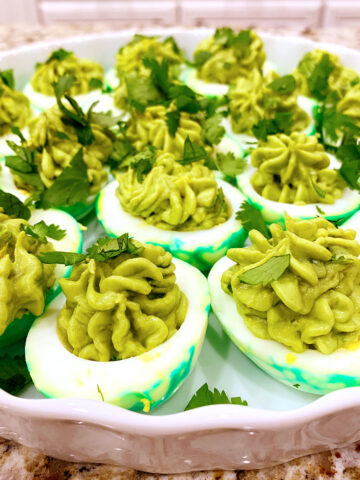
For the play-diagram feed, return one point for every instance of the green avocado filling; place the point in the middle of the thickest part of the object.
(321, 72)
(14, 108)
(173, 196)
(24, 279)
(294, 169)
(151, 128)
(228, 55)
(350, 104)
(253, 98)
(301, 288)
(55, 142)
(130, 63)
(89, 75)
(121, 307)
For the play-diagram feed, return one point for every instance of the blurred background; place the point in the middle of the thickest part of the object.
(263, 13)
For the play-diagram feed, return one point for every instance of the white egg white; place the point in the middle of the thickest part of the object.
(40, 101)
(72, 242)
(310, 371)
(111, 79)
(147, 379)
(273, 211)
(201, 248)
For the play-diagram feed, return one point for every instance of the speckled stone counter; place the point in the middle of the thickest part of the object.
(22, 463)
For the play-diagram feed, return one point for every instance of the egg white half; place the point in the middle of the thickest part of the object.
(137, 383)
(105, 103)
(272, 211)
(111, 79)
(201, 248)
(72, 242)
(310, 371)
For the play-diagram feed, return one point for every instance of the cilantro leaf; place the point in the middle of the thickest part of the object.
(141, 91)
(221, 204)
(204, 396)
(193, 152)
(76, 117)
(14, 375)
(40, 231)
(185, 98)
(62, 135)
(60, 55)
(350, 165)
(143, 162)
(241, 42)
(95, 83)
(319, 191)
(172, 121)
(106, 248)
(318, 79)
(342, 259)
(71, 186)
(224, 36)
(103, 249)
(283, 85)
(7, 76)
(201, 57)
(63, 258)
(229, 164)
(268, 272)
(251, 219)
(281, 123)
(174, 45)
(11, 205)
(213, 130)
(159, 73)
(122, 149)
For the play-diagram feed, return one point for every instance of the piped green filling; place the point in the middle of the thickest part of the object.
(315, 302)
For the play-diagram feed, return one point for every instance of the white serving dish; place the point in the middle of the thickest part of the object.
(280, 423)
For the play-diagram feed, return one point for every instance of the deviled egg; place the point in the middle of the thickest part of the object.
(183, 208)
(27, 285)
(294, 174)
(127, 330)
(89, 77)
(291, 303)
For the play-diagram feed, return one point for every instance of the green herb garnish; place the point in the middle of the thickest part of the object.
(281, 123)
(14, 375)
(213, 130)
(193, 152)
(11, 205)
(7, 76)
(319, 77)
(251, 219)
(41, 231)
(204, 396)
(283, 85)
(143, 162)
(268, 272)
(350, 164)
(95, 83)
(60, 55)
(172, 121)
(201, 57)
(319, 191)
(229, 164)
(103, 249)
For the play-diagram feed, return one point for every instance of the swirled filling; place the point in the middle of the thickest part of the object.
(226, 55)
(251, 100)
(316, 302)
(150, 128)
(88, 74)
(340, 78)
(130, 57)
(14, 108)
(24, 279)
(174, 196)
(122, 307)
(293, 169)
(56, 143)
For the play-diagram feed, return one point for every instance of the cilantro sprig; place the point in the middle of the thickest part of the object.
(143, 162)
(40, 231)
(7, 76)
(11, 205)
(283, 85)
(59, 54)
(103, 249)
(193, 152)
(280, 123)
(229, 164)
(252, 219)
(204, 396)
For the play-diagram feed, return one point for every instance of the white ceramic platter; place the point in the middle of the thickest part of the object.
(279, 424)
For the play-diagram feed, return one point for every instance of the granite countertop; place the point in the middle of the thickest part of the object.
(22, 463)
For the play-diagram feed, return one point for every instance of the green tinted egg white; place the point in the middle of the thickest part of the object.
(138, 383)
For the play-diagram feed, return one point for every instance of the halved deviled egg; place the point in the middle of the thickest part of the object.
(129, 333)
(87, 87)
(183, 208)
(24, 285)
(294, 174)
(298, 319)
